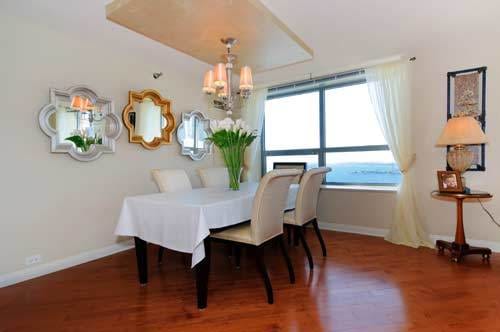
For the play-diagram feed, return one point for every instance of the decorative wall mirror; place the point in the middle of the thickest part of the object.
(149, 119)
(80, 123)
(192, 135)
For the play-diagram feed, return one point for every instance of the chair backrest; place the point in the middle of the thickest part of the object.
(307, 197)
(214, 177)
(292, 165)
(171, 180)
(269, 204)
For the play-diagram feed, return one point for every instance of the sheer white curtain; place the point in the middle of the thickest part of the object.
(253, 115)
(389, 88)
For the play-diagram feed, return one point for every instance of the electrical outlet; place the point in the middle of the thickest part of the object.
(35, 259)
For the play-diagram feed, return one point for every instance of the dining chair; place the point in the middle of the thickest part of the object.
(168, 181)
(292, 165)
(305, 211)
(214, 177)
(171, 180)
(266, 223)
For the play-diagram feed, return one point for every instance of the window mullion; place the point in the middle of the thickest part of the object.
(322, 128)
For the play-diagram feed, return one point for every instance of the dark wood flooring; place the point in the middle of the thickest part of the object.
(365, 284)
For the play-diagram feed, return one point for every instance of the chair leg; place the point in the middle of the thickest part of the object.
(237, 256)
(229, 249)
(320, 238)
(295, 236)
(160, 254)
(302, 239)
(288, 262)
(263, 271)
(289, 234)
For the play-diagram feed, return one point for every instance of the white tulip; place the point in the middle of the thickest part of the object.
(226, 124)
(214, 126)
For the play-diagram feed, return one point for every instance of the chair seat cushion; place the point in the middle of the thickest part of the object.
(289, 218)
(240, 233)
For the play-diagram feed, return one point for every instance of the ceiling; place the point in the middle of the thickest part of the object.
(342, 33)
(195, 27)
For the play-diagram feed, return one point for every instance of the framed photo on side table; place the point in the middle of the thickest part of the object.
(450, 182)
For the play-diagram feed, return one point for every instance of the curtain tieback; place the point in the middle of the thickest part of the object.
(404, 170)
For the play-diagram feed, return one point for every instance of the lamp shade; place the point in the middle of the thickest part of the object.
(80, 103)
(208, 82)
(462, 131)
(246, 82)
(220, 78)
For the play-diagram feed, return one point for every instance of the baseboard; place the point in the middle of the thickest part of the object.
(61, 264)
(381, 232)
(371, 231)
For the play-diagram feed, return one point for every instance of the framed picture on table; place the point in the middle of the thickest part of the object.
(467, 97)
(450, 182)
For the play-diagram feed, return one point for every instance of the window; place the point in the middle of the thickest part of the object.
(333, 125)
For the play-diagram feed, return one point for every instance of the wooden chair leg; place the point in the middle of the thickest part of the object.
(289, 234)
(302, 239)
(288, 262)
(160, 254)
(229, 249)
(263, 271)
(237, 256)
(320, 238)
(295, 236)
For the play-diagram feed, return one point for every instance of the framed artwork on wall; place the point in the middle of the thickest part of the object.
(467, 97)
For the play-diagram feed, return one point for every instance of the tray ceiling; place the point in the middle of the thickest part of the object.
(195, 27)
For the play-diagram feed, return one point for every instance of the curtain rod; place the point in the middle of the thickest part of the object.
(322, 78)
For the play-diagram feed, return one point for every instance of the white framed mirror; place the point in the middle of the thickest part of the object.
(80, 123)
(192, 135)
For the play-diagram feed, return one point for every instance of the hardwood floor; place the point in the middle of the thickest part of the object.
(365, 284)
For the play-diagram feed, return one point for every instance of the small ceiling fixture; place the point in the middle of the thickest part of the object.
(218, 82)
(157, 75)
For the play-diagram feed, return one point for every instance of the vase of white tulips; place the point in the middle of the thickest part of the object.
(232, 138)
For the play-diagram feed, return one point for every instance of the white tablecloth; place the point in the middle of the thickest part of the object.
(180, 221)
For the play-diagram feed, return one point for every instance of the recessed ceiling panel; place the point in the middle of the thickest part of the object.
(195, 27)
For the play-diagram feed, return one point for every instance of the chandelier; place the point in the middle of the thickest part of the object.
(218, 82)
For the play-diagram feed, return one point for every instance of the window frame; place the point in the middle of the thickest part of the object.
(322, 150)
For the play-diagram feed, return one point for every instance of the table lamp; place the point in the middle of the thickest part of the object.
(460, 132)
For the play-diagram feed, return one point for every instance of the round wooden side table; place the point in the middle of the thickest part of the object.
(459, 248)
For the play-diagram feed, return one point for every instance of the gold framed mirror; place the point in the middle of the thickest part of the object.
(149, 119)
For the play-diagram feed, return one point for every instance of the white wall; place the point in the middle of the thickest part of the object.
(51, 204)
(435, 57)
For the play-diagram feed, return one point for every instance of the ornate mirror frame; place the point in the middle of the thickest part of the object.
(112, 130)
(200, 153)
(165, 104)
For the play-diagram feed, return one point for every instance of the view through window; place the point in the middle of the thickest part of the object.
(334, 126)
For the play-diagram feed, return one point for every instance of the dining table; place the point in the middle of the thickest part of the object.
(182, 221)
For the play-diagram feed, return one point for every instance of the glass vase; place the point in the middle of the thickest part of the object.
(234, 177)
(233, 158)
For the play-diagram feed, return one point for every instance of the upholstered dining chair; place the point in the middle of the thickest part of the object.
(292, 165)
(266, 223)
(305, 211)
(214, 177)
(170, 180)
